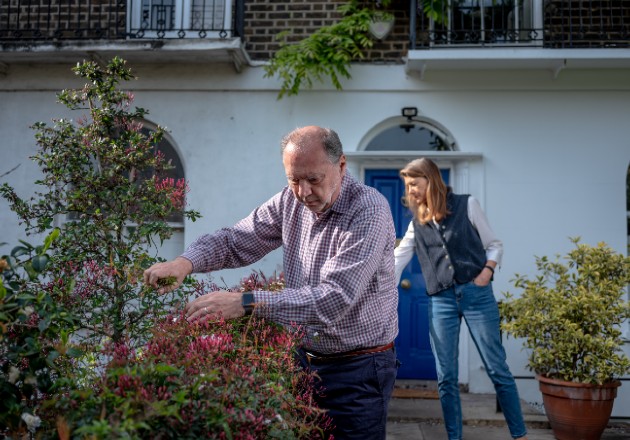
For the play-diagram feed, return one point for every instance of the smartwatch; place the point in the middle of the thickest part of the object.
(248, 302)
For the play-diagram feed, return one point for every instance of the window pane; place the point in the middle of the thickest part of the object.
(158, 14)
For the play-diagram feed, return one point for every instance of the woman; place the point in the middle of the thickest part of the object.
(458, 254)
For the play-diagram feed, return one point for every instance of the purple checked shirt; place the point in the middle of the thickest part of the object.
(338, 266)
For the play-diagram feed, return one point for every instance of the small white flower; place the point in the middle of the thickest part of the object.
(14, 374)
(32, 422)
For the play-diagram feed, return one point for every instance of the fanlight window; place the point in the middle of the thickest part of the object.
(410, 136)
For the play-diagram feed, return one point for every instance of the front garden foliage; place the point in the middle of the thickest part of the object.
(86, 350)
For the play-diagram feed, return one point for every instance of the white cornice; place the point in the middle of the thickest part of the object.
(554, 60)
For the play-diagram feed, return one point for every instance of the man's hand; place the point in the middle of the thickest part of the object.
(176, 269)
(228, 304)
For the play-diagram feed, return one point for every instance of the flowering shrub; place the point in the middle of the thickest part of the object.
(208, 379)
(88, 351)
(108, 182)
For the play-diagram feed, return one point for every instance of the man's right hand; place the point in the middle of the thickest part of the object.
(178, 269)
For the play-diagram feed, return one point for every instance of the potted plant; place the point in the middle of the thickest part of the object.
(569, 315)
(382, 21)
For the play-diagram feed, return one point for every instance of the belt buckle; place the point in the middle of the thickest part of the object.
(310, 356)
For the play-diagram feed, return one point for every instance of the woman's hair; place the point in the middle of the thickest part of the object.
(435, 205)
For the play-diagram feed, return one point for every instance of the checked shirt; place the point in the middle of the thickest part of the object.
(338, 266)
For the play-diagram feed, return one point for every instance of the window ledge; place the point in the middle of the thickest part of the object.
(176, 51)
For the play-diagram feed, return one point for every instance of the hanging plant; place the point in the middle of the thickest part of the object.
(329, 51)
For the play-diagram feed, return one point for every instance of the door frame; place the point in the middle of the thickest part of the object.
(466, 176)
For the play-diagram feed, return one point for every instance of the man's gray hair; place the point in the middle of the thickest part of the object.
(326, 136)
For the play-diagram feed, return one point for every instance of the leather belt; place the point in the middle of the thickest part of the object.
(314, 357)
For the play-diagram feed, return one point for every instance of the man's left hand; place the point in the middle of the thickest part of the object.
(227, 304)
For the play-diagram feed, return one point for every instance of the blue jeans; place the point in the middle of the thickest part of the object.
(356, 392)
(478, 307)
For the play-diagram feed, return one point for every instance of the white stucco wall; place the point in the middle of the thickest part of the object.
(555, 151)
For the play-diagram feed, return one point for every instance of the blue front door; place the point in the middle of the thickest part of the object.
(412, 344)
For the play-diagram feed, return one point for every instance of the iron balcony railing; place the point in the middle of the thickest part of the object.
(120, 19)
(469, 23)
(538, 23)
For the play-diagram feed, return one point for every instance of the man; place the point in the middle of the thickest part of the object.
(338, 239)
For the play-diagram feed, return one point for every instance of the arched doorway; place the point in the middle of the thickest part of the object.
(382, 152)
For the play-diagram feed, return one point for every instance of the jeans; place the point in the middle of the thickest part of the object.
(356, 392)
(477, 305)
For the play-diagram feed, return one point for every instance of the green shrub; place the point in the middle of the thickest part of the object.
(87, 351)
(34, 337)
(571, 313)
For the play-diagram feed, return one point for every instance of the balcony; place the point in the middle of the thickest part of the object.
(523, 34)
(202, 31)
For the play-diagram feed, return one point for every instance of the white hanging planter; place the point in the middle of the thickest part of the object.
(382, 25)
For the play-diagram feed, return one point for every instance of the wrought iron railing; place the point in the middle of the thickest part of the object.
(522, 23)
(119, 19)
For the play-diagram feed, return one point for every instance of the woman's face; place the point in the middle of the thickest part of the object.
(416, 188)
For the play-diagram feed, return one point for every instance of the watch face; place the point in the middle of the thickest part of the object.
(248, 302)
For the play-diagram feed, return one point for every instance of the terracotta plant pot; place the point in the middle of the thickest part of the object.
(577, 411)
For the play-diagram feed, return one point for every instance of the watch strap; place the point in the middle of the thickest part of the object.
(248, 302)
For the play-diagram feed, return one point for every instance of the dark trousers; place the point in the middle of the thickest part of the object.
(356, 392)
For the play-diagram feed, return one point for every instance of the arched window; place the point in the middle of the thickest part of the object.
(175, 245)
(165, 146)
(411, 135)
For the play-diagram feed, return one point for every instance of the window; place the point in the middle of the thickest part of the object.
(175, 245)
(414, 135)
(176, 173)
(180, 18)
(486, 22)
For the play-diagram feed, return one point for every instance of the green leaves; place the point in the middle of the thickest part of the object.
(325, 53)
(105, 181)
(328, 52)
(570, 314)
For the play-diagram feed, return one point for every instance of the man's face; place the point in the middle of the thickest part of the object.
(314, 180)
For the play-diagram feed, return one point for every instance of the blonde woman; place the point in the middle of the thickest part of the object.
(458, 254)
